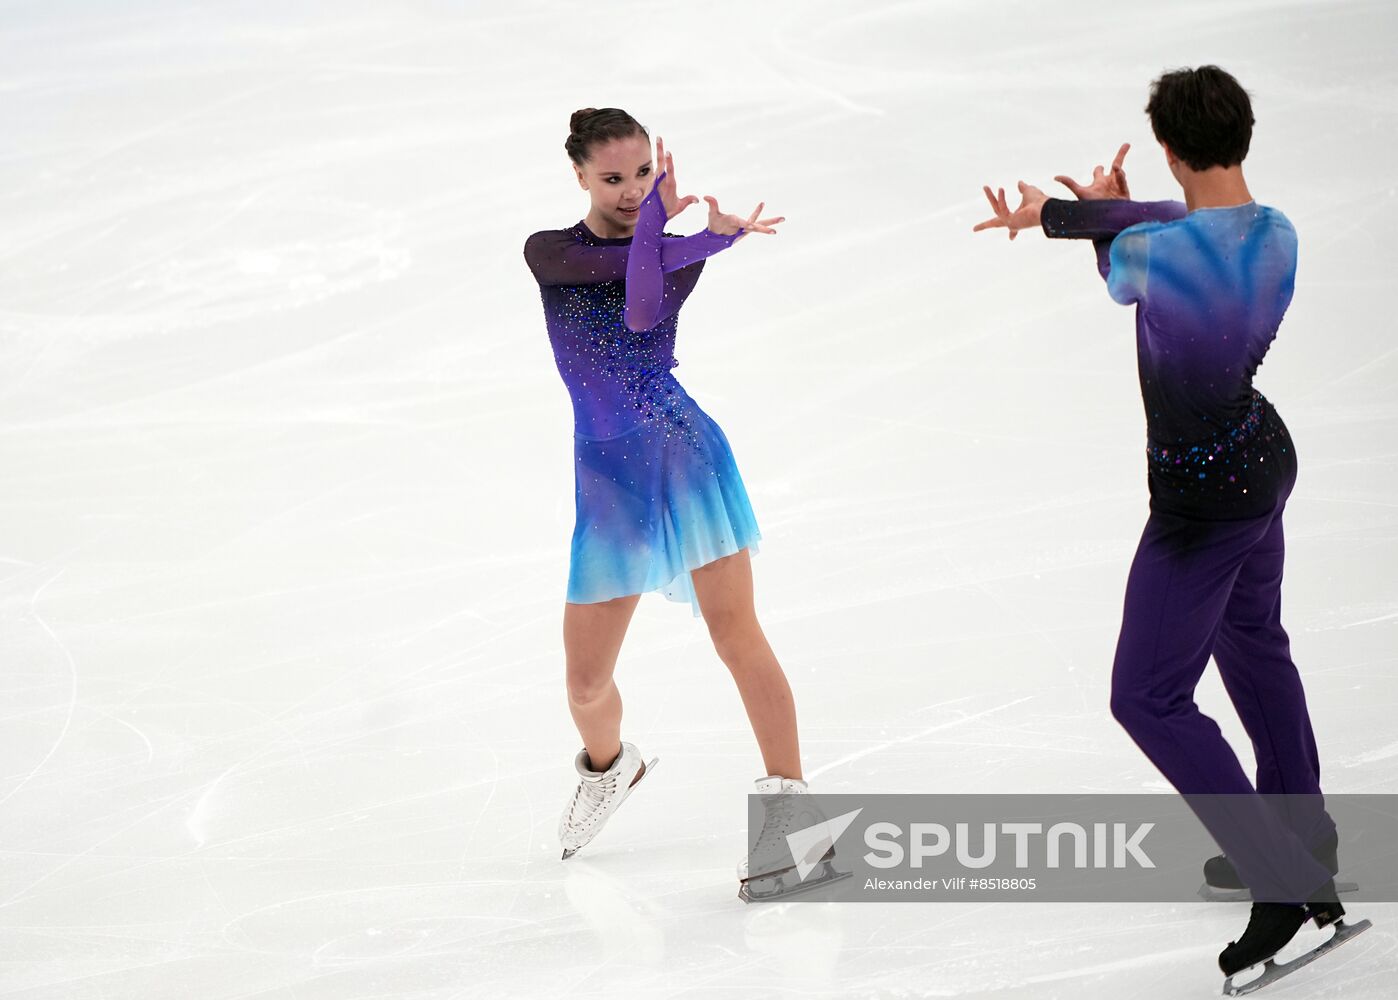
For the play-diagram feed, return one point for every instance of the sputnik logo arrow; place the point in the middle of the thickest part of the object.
(809, 845)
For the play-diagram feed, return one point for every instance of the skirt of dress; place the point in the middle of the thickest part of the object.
(654, 503)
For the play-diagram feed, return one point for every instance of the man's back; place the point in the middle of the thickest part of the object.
(1211, 289)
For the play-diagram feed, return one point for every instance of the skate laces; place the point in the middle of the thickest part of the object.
(776, 822)
(592, 796)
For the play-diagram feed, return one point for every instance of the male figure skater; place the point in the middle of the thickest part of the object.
(1211, 279)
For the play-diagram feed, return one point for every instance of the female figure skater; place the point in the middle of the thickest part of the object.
(1211, 278)
(660, 503)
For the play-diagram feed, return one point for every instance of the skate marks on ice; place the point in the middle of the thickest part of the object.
(1189, 968)
(40, 681)
(651, 932)
(627, 924)
(915, 737)
(1078, 950)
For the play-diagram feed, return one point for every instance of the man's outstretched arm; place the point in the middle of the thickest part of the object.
(1100, 221)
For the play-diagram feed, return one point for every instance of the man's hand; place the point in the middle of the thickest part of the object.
(1104, 185)
(1025, 217)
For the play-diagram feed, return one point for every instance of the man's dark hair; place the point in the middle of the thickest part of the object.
(1203, 115)
(592, 126)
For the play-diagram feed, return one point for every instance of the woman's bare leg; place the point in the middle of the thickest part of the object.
(724, 589)
(592, 635)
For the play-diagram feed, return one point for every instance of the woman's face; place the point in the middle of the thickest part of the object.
(618, 176)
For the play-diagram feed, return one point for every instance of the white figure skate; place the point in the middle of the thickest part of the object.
(598, 795)
(788, 808)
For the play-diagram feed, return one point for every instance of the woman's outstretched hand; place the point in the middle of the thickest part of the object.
(673, 203)
(1031, 201)
(726, 225)
(1104, 185)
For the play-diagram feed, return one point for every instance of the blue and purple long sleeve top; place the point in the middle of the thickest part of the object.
(1210, 288)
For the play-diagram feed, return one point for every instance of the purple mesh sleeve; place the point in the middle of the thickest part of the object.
(1100, 220)
(651, 256)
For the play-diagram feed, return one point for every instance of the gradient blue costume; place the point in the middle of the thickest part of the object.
(657, 489)
(1210, 289)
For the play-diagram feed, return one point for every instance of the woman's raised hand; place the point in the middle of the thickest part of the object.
(673, 203)
(1031, 201)
(719, 222)
(1104, 185)
(726, 225)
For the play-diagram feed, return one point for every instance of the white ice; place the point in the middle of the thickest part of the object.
(287, 483)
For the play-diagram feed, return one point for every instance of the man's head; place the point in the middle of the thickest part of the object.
(1202, 117)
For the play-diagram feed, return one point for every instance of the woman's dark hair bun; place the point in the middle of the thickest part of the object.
(579, 117)
(592, 126)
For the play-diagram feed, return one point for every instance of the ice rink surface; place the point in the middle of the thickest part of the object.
(288, 491)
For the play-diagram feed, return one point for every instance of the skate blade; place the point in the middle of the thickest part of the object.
(749, 894)
(1273, 970)
(646, 768)
(1213, 894)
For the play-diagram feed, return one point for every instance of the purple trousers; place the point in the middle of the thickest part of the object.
(1201, 588)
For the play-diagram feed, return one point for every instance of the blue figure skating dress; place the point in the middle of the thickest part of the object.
(658, 492)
